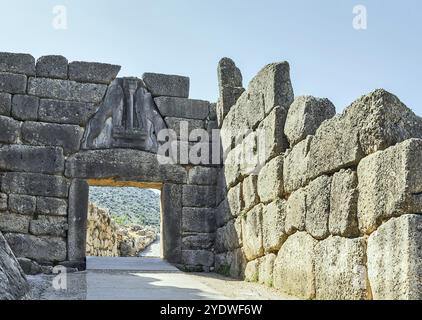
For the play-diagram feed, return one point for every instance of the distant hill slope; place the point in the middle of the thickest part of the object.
(128, 205)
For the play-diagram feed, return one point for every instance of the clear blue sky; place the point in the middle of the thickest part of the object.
(328, 57)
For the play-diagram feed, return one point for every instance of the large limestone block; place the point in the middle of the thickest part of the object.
(5, 104)
(52, 67)
(41, 249)
(203, 175)
(273, 228)
(66, 112)
(200, 220)
(25, 107)
(395, 259)
(22, 204)
(235, 200)
(49, 226)
(252, 271)
(12, 222)
(340, 269)
(13, 283)
(296, 212)
(252, 233)
(390, 184)
(372, 123)
(198, 258)
(49, 160)
(223, 213)
(35, 184)
(66, 90)
(167, 85)
(273, 84)
(67, 137)
(182, 108)
(93, 72)
(229, 237)
(266, 268)
(305, 116)
(250, 192)
(17, 63)
(294, 268)
(3, 201)
(199, 196)
(200, 241)
(295, 170)
(51, 206)
(186, 129)
(318, 207)
(270, 180)
(343, 205)
(270, 132)
(12, 83)
(123, 164)
(237, 263)
(9, 130)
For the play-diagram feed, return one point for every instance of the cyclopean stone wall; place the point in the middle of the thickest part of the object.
(333, 209)
(65, 125)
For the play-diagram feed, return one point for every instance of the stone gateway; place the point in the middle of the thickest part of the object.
(317, 205)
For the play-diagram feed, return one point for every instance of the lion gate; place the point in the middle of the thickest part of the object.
(67, 126)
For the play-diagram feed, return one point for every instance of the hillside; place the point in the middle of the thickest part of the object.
(128, 205)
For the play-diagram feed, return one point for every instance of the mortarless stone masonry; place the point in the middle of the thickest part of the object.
(331, 210)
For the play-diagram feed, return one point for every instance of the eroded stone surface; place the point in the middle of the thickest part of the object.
(273, 228)
(252, 233)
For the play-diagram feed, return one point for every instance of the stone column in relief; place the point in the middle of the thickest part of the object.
(171, 208)
(77, 219)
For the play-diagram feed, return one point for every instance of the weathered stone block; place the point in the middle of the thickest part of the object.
(203, 176)
(77, 220)
(235, 200)
(66, 136)
(296, 212)
(250, 192)
(41, 249)
(11, 222)
(229, 74)
(49, 226)
(3, 201)
(372, 123)
(212, 115)
(9, 130)
(167, 85)
(340, 269)
(184, 128)
(12, 83)
(265, 271)
(5, 104)
(236, 261)
(273, 228)
(231, 168)
(294, 268)
(318, 207)
(229, 237)
(305, 116)
(198, 258)
(295, 171)
(221, 189)
(93, 72)
(31, 159)
(202, 241)
(252, 237)
(122, 164)
(13, 283)
(51, 206)
(25, 107)
(182, 108)
(22, 204)
(270, 180)
(17, 63)
(273, 81)
(171, 207)
(35, 184)
(343, 204)
(395, 259)
(200, 220)
(199, 196)
(222, 213)
(270, 132)
(66, 90)
(66, 112)
(52, 67)
(252, 271)
(228, 98)
(390, 184)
